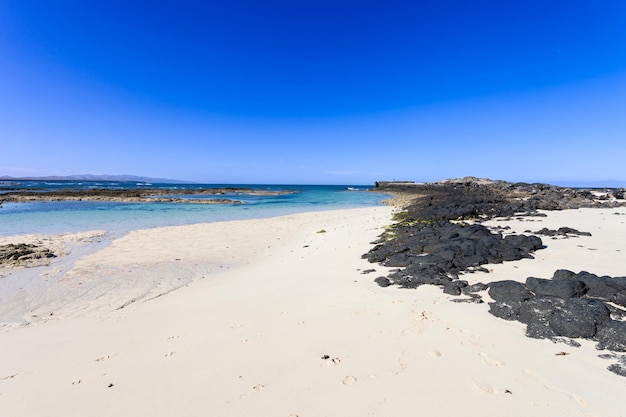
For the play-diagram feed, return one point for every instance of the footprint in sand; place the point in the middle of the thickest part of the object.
(435, 353)
(172, 337)
(486, 388)
(483, 355)
(168, 354)
(403, 361)
(376, 335)
(349, 380)
(422, 318)
(542, 381)
(102, 358)
(258, 387)
(490, 361)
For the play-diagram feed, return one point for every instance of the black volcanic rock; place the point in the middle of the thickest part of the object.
(562, 231)
(506, 311)
(562, 289)
(479, 286)
(441, 250)
(536, 313)
(509, 292)
(605, 288)
(578, 317)
(382, 281)
(562, 274)
(454, 287)
(612, 336)
(432, 244)
(508, 296)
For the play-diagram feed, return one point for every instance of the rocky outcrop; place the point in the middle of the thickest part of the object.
(477, 197)
(566, 306)
(435, 253)
(23, 253)
(143, 195)
(561, 231)
(432, 244)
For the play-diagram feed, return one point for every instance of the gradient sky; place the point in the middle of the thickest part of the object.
(320, 92)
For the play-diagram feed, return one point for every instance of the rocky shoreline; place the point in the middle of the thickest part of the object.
(147, 195)
(438, 237)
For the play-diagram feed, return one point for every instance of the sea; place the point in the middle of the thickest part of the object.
(118, 218)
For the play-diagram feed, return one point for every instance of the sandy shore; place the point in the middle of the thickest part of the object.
(274, 317)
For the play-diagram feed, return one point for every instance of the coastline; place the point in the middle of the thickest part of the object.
(282, 321)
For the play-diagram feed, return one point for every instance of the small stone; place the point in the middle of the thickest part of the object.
(382, 281)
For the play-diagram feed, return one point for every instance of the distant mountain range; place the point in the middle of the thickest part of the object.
(89, 177)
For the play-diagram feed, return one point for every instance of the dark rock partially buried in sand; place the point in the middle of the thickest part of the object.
(565, 309)
(562, 231)
(21, 253)
(618, 369)
(553, 309)
(382, 281)
(612, 336)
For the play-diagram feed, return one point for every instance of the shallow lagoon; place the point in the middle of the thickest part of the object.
(115, 217)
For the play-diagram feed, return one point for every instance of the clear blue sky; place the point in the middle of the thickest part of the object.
(342, 92)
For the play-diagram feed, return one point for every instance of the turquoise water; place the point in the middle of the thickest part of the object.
(71, 216)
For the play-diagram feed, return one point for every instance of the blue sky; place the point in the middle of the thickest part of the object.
(338, 92)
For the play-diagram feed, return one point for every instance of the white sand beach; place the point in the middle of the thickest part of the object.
(274, 317)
